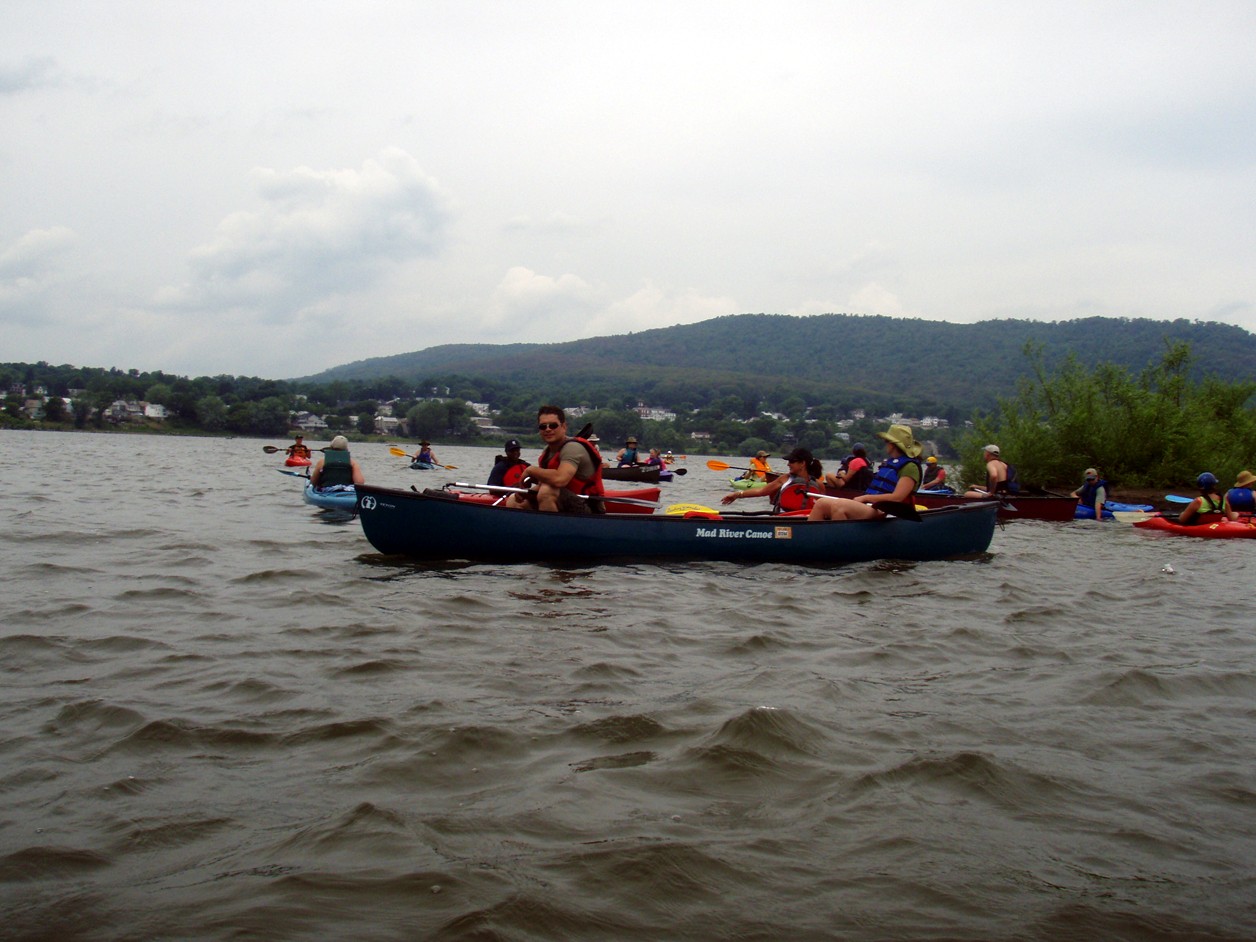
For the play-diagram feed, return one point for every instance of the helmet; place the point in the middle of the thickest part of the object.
(1206, 480)
(932, 459)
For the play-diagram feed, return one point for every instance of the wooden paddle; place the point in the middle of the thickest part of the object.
(394, 450)
(502, 489)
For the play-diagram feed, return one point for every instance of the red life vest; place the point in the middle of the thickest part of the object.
(578, 485)
(514, 474)
(793, 496)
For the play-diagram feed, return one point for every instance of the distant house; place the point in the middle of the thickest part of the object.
(155, 410)
(308, 422)
(120, 410)
(386, 424)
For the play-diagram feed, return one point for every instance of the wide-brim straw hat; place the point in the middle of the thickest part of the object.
(901, 436)
(1245, 479)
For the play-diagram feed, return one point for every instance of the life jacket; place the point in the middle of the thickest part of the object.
(336, 468)
(931, 474)
(1009, 485)
(299, 451)
(1087, 493)
(886, 478)
(425, 456)
(758, 469)
(550, 461)
(511, 475)
(1241, 498)
(793, 496)
(862, 476)
(1212, 504)
(629, 458)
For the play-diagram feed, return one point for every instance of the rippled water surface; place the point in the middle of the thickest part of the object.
(225, 717)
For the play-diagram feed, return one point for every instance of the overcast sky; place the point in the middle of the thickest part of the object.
(272, 188)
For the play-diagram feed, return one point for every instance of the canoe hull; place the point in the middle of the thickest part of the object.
(337, 497)
(638, 474)
(404, 523)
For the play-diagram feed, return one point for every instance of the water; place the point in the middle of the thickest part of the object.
(225, 717)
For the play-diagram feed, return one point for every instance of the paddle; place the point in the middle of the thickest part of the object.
(1177, 499)
(394, 450)
(271, 449)
(295, 474)
(679, 510)
(680, 472)
(894, 508)
(724, 466)
(1132, 516)
(501, 489)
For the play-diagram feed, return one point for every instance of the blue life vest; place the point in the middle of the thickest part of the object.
(1087, 493)
(336, 468)
(886, 478)
(1241, 498)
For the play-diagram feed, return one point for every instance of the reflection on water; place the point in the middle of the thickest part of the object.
(225, 716)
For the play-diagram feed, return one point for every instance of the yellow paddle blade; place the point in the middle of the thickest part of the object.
(921, 507)
(718, 465)
(679, 510)
(450, 467)
(398, 452)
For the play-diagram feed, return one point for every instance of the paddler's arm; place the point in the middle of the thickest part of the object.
(555, 477)
(764, 490)
(903, 491)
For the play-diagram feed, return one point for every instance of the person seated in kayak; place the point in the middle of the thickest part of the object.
(567, 468)
(897, 479)
(854, 472)
(298, 449)
(1208, 502)
(424, 453)
(759, 468)
(655, 460)
(1092, 493)
(789, 492)
(1239, 499)
(627, 456)
(336, 466)
(508, 471)
(1000, 476)
(935, 474)
(669, 458)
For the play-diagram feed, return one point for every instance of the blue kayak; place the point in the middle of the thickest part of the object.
(421, 466)
(334, 497)
(1084, 512)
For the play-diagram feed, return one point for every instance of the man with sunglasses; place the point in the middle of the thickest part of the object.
(568, 467)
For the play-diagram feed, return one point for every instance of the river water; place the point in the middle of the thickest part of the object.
(225, 717)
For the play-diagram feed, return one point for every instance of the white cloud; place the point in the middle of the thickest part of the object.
(321, 233)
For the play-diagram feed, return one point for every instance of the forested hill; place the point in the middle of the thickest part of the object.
(842, 359)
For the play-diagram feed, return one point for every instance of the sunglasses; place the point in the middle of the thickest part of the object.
(547, 426)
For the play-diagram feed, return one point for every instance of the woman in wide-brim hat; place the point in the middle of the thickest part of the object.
(896, 480)
(1240, 499)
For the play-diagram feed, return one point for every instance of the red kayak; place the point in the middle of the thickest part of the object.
(1219, 529)
(292, 461)
(612, 506)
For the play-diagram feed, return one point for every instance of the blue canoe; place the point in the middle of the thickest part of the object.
(335, 497)
(1085, 512)
(402, 523)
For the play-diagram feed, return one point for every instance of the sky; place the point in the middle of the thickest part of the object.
(271, 189)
